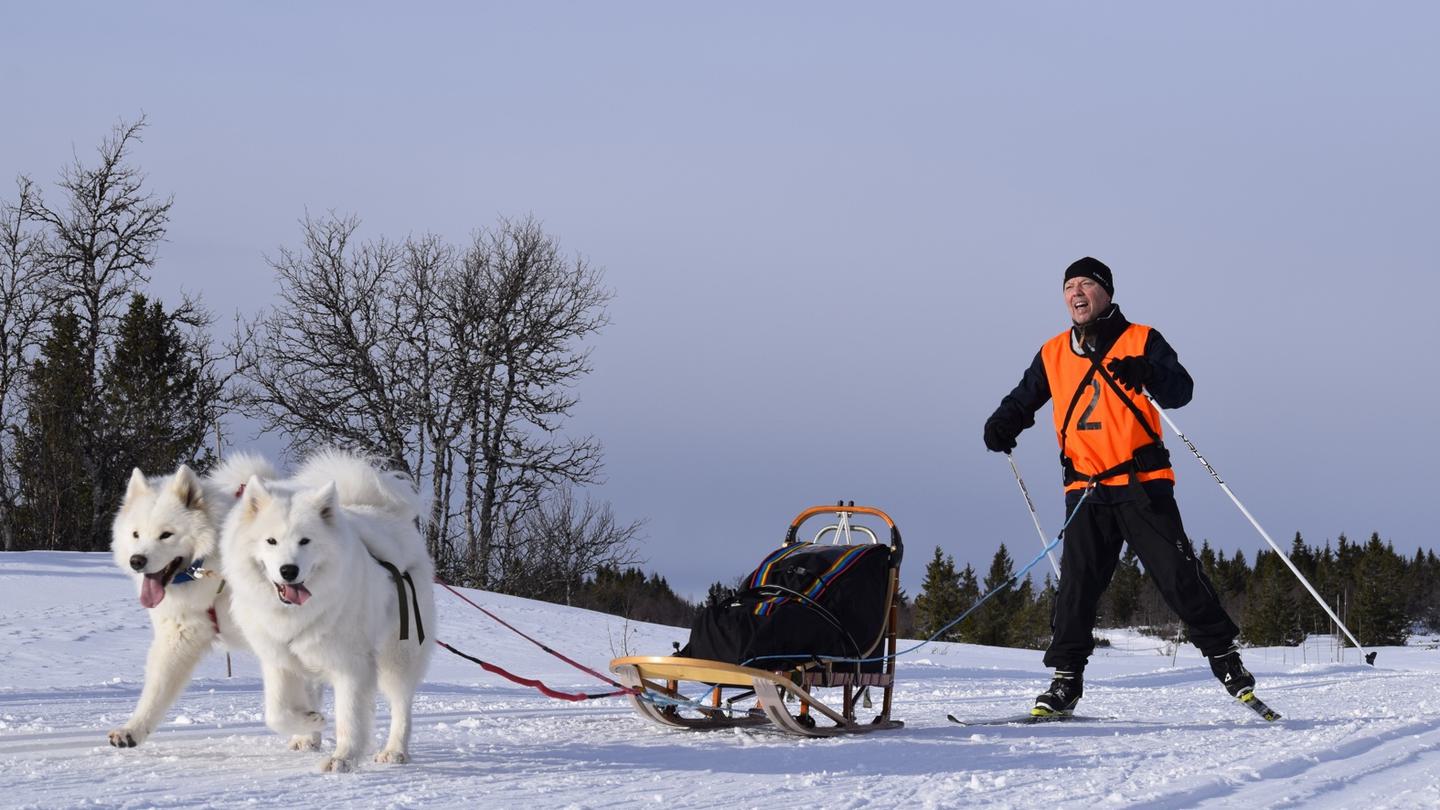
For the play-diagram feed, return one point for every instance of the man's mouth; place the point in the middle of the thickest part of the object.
(292, 593)
(152, 588)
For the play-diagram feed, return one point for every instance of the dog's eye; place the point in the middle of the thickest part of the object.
(270, 540)
(166, 535)
(135, 535)
(304, 541)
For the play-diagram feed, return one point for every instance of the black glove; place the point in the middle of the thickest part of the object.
(1132, 372)
(1000, 433)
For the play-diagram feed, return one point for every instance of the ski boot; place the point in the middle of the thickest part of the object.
(1238, 681)
(1060, 699)
(1232, 673)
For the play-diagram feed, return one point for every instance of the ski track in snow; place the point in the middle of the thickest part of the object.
(73, 640)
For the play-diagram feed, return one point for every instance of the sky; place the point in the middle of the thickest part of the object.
(836, 232)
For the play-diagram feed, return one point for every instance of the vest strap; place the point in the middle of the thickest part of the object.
(1146, 458)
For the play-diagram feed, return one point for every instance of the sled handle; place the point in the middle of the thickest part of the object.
(837, 509)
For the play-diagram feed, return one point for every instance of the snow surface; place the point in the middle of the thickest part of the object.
(72, 649)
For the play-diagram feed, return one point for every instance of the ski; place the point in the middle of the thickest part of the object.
(1258, 706)
(1020, 720)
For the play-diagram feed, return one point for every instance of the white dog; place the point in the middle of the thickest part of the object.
(313, 600)
(166, 535)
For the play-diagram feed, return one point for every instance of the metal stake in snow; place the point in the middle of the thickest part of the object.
(1033, 516)
(1369, 656)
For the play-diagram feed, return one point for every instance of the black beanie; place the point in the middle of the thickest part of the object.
(1093, 269)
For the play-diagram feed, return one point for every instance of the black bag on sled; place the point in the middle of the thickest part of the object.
(805, 601)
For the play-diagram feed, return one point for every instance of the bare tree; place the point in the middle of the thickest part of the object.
(560, 543)
(454, 364)
(519, 310)
(325, 365)
(25, 296)
(100, 241)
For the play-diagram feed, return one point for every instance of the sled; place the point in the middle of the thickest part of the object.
(696, 693)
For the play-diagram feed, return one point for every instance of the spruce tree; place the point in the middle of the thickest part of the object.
(1031, 628)
(1271, 616)
(54, 484)
(969, 595)
(997, 618)
(1378, 616)
(158, 399)
(939, 600)
(1123, 595)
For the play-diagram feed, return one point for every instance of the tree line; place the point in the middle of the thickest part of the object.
(1382, 596)
(453, 363)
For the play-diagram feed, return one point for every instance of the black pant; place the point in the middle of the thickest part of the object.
(1109, 518)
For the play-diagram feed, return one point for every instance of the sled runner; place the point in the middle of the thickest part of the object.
(813, 615)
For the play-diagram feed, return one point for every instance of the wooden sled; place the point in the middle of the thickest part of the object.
(733, 696)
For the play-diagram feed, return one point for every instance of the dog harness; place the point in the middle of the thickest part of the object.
(401, 579)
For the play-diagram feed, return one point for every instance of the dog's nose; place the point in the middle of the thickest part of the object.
(289, 572)
(137, 562)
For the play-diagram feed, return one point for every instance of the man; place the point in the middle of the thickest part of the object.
(1097, 373)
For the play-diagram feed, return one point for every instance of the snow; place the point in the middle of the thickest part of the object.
(73, 639)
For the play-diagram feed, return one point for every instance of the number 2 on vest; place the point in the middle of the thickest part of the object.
(1085, 423)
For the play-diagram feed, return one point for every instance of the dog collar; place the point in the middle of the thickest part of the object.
(195, 571)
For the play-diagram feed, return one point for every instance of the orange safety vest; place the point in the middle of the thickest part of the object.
(1096, 429)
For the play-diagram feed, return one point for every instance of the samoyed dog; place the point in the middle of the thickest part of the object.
(166, 535)
(310, 565)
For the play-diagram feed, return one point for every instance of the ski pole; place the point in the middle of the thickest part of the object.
(1369, 656)
(1033, 516)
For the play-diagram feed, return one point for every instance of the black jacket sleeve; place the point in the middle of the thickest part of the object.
(1019, 406)
(1170, 383)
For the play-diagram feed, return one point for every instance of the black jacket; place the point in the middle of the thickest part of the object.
(1171, 384)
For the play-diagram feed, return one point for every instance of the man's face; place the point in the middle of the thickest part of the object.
(1085, 299)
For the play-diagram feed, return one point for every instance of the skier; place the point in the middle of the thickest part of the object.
(1097, 372)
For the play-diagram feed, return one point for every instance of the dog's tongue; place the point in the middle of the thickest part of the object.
(152, 590)
(295, 594)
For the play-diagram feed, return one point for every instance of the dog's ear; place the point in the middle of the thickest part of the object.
(187, 488)
(138, 485)
(254, 498)
(326, 499)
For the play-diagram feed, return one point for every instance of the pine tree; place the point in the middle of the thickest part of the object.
(998, 616)
(1271, 616)
(1042, 614)
(1430, 612)
(904, 614)
(1123, 595)
(1302, 557)
(54, 487)
(718, 594)
(1031, 628)
(1378, 617)
(939, 601)
(969, 594)
(158, 398)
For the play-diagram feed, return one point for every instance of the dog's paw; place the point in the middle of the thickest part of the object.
(392, 757)
(337, 765)
(296, 723)
(126, 737)
(305, 742)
